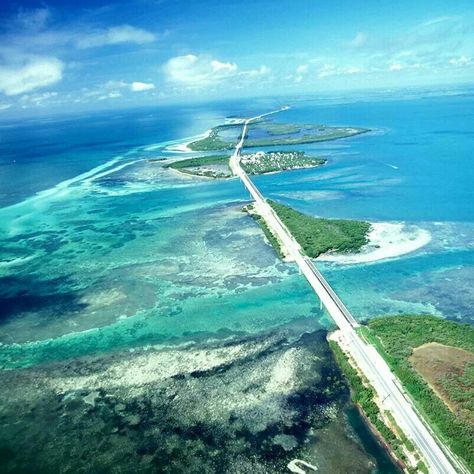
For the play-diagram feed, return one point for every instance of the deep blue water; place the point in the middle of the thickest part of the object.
(415, 166)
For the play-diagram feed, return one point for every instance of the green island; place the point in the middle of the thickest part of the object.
(267, 133)
(318, 235)
(363, 395)
(434, 360)
(214, 166)
(214, 142)
(217, 166)
(269, 162)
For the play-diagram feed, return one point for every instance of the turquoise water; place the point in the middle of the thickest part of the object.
(101, 247)
(104, 253)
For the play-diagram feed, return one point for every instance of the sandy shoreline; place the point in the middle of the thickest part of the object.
(183, 147)
(386, 240)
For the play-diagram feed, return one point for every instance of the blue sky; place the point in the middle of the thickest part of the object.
(65, 56)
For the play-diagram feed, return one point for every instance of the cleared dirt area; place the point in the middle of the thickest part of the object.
(449, 371)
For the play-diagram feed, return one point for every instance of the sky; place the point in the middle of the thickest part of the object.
(67, 55)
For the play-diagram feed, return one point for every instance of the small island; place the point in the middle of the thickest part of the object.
(217, 166)
(274, 161)
(316, 235)
(213, 166)
(267, 133)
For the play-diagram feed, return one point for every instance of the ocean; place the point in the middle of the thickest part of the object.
(108, 258)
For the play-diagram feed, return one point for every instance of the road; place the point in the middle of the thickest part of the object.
(365, 356)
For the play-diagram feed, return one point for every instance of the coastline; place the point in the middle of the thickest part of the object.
(386, 240)
(378, 420)
(230, 177)
(183, 146)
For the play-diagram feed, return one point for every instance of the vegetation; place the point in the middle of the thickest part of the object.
(363, 396)
(272, 134)
(397, 337)
(275, 128)
(201, 166)
(294, 134)
(199, 161)
(268, 233)
(213, 142)
(259, 163)
(317, 236)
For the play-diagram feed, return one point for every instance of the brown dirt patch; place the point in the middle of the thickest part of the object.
(448, 371)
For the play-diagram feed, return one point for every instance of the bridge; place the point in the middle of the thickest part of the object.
(369, 361)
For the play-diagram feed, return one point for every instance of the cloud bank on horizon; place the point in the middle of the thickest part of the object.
(136, 52)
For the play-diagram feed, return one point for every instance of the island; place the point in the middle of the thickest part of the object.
(434, 360)
(217, 166)
(213, 166)
(267, 133)
(274, 161)
(315, 235)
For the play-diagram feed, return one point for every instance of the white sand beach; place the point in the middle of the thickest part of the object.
(183, 146)
(386, 240)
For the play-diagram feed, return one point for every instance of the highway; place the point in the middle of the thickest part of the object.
(369, 361)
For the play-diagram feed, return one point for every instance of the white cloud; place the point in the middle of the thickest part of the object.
(115, 35)
(300, 73)
(218, 66)
(114, 89)
(327, 70)
(261, 71)
(437, 20)
(301, 69)
(192, 71)
(114, 85)
(360, 39)
(5, 106)
(351, 70)
(461, 61)
(395, 67)
(32, 73)
(34, 19)
(110, 95)
(141, 86)
(39, 99)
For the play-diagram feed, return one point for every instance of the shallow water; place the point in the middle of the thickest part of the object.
(114, 253)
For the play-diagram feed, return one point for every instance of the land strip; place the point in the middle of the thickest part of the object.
(217, 166)
(364, 396)
(274, 161)
(213, 166)
(317, 235)
(261, 134)
(450, 369)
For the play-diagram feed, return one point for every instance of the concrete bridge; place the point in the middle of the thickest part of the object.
(436, 456)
